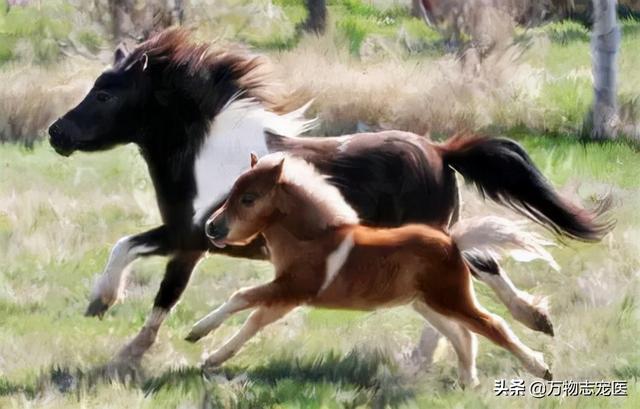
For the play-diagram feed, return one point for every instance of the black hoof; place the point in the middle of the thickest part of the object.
(543, 324)
(547, 376)
(192, 338)
(97, 308)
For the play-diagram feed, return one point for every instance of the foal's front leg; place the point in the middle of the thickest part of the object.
(258, 319)
(241, 300)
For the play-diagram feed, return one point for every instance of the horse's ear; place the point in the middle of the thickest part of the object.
(254, 159)
(140, 64)
(120, 54)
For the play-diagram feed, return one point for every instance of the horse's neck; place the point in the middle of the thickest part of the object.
(203, 167)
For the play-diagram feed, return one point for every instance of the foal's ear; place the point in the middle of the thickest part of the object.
(254, 159)
(278, 170)
(120, 54)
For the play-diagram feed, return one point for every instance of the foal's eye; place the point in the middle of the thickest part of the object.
(248, 199)
(103, 96)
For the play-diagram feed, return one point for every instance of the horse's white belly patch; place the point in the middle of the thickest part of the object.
(336, 260)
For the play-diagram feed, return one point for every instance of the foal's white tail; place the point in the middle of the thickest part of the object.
(496, 235)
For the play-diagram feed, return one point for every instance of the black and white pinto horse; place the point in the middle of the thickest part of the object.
(197, 113)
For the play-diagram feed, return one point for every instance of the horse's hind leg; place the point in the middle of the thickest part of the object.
(464, 342)
(258, 319)
(528, 309)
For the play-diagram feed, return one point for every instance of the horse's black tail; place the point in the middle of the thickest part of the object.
(502, 170)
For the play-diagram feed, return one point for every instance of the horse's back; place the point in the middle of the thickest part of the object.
(390, 178)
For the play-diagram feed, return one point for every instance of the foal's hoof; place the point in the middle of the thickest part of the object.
(96, 308)
(548, 376)
(544, 324)
(192, 337)
(210, 368)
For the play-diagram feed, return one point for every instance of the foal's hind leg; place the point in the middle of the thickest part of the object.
(464, 342)
(494, 328)
(524, 307)
(460, 303)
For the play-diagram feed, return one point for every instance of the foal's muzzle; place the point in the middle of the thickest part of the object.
(216, 230)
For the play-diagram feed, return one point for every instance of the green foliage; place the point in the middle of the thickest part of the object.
(356, 28)
(366, 9)
(91, 40)
(566, 31)
(40, 26)
(37, 30)
(420, 37)
(277, 42)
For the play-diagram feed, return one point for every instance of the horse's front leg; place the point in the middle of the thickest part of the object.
(175, 280)
(258, 319)
(240, 300)
(109, 287)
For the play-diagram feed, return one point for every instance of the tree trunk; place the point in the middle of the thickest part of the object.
(316, 21)
(178, 12)
(116, 9)
(605, 41)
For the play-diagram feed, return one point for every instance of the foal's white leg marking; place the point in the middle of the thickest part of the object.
(258, 319)
(336, 260)
(216, 317)
(110, 285)
(530, 310)
(135, 349)
(464, 342)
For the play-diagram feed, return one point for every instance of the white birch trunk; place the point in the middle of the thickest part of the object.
(605, 41)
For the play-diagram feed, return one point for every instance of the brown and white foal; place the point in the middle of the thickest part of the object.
(323, 257)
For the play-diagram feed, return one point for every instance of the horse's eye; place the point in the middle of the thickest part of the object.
(103, 96)
(248, 199)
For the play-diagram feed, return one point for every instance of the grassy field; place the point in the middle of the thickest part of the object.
(376, 67)
(59, 217)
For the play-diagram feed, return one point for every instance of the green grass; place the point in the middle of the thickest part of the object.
(59, 217)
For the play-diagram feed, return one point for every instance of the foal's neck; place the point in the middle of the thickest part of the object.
(301, 224)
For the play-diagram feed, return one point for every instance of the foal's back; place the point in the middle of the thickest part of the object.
(373, 268)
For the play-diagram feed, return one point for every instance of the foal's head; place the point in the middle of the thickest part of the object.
(278, 188)
(250, 207)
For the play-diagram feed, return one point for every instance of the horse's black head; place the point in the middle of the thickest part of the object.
(110, 114)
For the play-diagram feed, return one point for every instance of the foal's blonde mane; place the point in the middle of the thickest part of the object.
(331, 207)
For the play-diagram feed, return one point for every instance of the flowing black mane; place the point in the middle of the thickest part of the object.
(207, 76)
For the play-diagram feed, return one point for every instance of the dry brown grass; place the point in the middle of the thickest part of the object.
(422, 95)
(32, 96)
